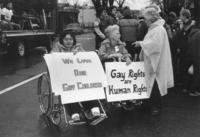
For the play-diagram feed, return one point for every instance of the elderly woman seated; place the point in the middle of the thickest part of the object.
(112, 46)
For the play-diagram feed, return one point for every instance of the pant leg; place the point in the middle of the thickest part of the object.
(195, 86)
(155, 98)
(90, 104)
(73, 108)
(184, 76)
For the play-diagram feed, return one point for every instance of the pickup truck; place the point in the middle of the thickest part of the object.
(31, 34)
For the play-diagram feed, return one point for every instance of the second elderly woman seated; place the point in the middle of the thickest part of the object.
(112, 46)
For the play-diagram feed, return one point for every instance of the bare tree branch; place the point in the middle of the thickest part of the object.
(105, 3)
(111, 2)
(120, 3)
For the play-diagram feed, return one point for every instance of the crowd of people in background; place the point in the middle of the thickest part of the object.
(183, 35)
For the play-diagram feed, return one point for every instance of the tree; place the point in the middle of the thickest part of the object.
(111, 2)
(75, 3)
(102, 3)
(170, 5)
(174, 5)
(106, 3)
(120, 3)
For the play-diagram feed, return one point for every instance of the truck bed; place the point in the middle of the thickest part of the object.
(17, 33)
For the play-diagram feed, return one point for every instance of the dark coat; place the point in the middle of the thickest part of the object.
(128, 29)
(194, 45)
(194, 54)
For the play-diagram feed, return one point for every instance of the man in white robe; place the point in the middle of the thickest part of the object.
(157, 59)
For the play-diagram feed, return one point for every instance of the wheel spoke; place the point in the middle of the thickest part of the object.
(44, 94)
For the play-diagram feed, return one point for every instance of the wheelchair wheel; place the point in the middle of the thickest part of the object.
(45, 94)
(56, 118)
(106, 106)
(57, 114)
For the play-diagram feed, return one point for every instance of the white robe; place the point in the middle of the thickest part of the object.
(157, 58)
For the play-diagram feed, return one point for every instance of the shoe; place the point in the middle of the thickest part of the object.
(117, 104)
(75, 117)
(194, 94)
(197, 93)
(88, 114)
(155, 111)
(95, 111)
(133, 101)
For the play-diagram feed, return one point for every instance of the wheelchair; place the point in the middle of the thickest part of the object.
(56, 113)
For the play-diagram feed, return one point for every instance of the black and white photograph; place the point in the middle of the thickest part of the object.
(99, 68)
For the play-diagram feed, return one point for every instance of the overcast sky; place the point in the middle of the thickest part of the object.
(133, 4)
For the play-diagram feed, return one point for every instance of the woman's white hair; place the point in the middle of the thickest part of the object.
(110, 29)
(152, 13)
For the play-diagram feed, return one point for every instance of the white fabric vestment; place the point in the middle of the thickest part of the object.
(157, 58)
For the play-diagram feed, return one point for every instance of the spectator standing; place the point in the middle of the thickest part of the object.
(100, 36)
(0, 10)
(7, 11)
(181, 39)
(157, 59)
(172, 18)
(142, 28)
(128, 30)
(191, 35)
(119, 14)
(112, 12)
(105, 19)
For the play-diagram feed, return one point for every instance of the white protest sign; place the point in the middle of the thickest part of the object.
(77, 77)
(125, 82)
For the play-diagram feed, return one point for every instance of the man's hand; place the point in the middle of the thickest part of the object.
(191, 70)
(136, 44)
(128, 61)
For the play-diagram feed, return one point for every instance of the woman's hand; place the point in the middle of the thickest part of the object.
(75, 52)
(128, 61)
(115, 55)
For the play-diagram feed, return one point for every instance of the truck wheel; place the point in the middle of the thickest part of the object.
(20, 49)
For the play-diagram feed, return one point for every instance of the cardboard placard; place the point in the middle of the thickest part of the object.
(77, 77)
(125, 82)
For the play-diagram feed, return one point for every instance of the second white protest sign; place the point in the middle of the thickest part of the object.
(125, 82)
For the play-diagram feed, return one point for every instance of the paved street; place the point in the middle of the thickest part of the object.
(20, 114)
